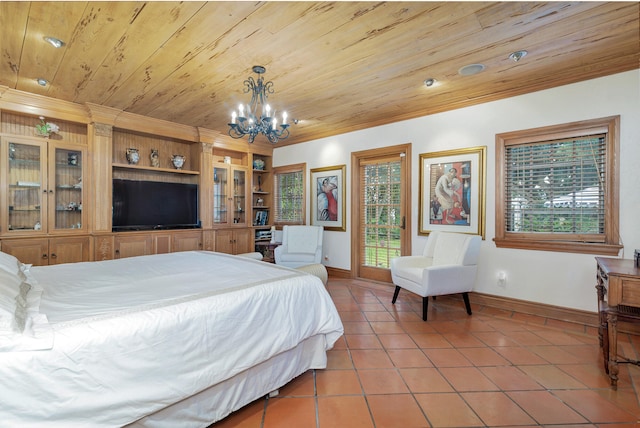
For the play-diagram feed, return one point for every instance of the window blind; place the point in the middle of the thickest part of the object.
(556, 187)
(289, 197)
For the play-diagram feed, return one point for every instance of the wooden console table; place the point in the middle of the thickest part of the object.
(267, 248)
(618, 290)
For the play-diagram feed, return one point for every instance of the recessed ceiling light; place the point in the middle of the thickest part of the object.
(471, 69)
(42, 82)
(56, 43)
(430, 82)
(517, 55)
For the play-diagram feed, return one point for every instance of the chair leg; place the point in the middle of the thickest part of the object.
(395, 294)
(425, 306)
(465, 296)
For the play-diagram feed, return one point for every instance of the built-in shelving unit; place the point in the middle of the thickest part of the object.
(56, 190)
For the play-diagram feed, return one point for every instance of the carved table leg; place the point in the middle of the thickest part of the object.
(602, 317)
(612, 320)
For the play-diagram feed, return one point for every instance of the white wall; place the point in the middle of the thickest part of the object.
(553, 278)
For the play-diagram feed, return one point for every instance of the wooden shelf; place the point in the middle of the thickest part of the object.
(150, 168)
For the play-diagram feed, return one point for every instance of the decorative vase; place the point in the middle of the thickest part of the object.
(178, 161)
(72, 159)
(133, 156)
(258, 164)
(155, 158)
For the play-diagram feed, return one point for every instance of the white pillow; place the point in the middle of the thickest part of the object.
(9, 263)
(12, 296)
(22, 327)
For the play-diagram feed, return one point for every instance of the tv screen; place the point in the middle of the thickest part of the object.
(139, 205)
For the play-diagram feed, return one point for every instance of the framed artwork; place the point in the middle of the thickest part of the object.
(328, 197)
(262, 218)
(452, 191)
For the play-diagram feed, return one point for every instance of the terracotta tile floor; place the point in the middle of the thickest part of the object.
(491, 369)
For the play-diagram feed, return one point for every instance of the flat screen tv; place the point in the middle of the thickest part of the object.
(145, 205)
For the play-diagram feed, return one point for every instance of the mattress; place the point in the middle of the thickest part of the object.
(134, 336)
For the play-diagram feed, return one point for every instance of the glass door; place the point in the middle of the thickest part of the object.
(239, 197)
(220, 195)
(26, 194)
(381, 224)
(66, 182)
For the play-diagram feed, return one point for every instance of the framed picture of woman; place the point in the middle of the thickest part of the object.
(328, 197)
(452, 191)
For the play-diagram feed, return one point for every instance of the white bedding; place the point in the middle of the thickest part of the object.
(118, 356)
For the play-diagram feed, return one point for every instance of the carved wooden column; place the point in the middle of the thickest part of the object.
(100, 185)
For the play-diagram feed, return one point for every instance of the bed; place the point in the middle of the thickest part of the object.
(180, 339)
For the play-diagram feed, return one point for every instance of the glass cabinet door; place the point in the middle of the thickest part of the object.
(220, 196)
(67, 188)
(26, 193)
(239, 198)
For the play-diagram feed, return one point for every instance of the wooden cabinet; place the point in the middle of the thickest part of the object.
(43, 184)
(49, 251)
(233, 241)
(131, 245)
(187, 241)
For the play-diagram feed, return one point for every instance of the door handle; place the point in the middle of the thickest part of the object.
(404, 223)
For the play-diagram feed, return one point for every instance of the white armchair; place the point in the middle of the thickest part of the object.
(447, 266)
(301, 245)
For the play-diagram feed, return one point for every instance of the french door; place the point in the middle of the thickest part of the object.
(382, 184)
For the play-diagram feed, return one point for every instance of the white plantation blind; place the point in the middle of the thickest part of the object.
(289, 197)
(557, 187)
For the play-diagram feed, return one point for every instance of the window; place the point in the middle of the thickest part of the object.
(289, 194)
(557, 188)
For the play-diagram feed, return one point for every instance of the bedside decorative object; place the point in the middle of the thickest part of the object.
(259, 202)
(133, 156)
(178, 161)
(258, 164)
(155, 159)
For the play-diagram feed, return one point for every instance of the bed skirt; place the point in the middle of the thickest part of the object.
(218, 401)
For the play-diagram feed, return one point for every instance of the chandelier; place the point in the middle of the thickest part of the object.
(256, 117)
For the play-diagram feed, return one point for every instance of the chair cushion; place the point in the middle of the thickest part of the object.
(298, 257)
(449, 248)
(302, 240)
(413, 274)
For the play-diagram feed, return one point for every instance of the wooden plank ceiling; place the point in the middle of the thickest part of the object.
(336, 67)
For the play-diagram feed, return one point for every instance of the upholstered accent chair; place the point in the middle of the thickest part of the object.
(301, 245)
(447, 266)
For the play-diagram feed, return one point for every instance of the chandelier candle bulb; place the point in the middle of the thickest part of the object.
(233, 117)
(284, 118)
